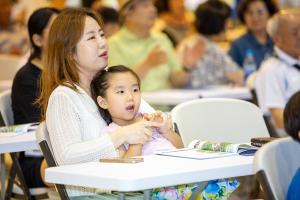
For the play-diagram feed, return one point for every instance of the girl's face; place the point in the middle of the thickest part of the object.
(91, 51)
(256, 16)
(123, 98)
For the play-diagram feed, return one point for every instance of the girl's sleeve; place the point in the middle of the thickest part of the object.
(65, 131)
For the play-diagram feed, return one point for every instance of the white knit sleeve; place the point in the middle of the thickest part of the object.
(65, 125)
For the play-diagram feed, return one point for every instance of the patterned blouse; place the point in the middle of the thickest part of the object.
(211, 67)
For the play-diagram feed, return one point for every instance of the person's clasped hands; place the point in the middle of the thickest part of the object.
(164, 120)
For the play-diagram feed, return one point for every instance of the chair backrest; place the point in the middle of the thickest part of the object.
(219, 120)
(42, 137)
(5, 107)
(275, 165)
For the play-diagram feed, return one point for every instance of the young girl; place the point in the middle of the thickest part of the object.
(117, 93)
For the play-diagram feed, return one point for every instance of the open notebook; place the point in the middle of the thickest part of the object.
(205, 150)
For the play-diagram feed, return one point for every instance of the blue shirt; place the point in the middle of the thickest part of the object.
(294, 190)
(248, 41)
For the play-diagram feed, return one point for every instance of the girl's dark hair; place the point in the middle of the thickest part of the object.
(211, 17)
(100, 84)
(244, 5)
(37, 22)
(291, 116)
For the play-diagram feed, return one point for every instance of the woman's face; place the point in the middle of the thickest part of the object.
(256, 16)
(91, 51)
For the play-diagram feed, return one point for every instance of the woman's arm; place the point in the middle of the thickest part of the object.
(66, 129)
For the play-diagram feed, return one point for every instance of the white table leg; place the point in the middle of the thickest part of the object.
(3, 173)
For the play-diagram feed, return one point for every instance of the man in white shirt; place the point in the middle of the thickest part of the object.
(279, 76)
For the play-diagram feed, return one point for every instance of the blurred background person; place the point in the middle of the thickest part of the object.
(150, 55)
(288, 3)
(24, 8)
(279, 76)
(13, 37)
(255, 42)
(92, 4)
(25, 89)
(174, 20)
(209, 65)
(110, 17)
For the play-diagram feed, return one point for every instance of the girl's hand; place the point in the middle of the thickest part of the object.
(164, 119)
(167, 125)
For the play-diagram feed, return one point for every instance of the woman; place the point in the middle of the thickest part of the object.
(210, 65)
(25, 89)
(77, 50)
(254, 14)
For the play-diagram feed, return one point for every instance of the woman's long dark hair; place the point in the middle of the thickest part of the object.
(37, 22)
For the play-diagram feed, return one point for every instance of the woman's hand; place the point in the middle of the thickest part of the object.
(137, 133)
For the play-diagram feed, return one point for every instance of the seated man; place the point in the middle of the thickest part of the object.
(150, 55)
(279, 76)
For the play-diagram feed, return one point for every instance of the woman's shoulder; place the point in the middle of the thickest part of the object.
(27, 75)
(64, 90)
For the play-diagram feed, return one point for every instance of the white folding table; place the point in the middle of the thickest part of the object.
(176, 96)
(12, 144)
(156, 171)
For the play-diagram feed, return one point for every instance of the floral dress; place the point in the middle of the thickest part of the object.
(216, 189)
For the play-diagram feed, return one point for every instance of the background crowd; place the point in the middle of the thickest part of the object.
(252, 43)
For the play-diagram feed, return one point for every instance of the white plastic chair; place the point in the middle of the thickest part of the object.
(5, 107)
(219, 120)
(42, 137)
(275, 165)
